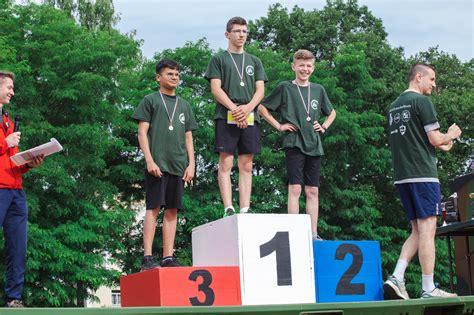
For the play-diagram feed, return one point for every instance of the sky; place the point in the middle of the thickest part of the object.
(414, 25)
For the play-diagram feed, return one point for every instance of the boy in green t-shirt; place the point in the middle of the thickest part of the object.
(237, 83)
(301, 104)
(165, 125)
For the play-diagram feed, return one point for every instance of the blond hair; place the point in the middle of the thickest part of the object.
(303, 54)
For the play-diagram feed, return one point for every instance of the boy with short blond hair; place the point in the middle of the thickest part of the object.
(301, 105)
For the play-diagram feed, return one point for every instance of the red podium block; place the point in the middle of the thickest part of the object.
(182, 286)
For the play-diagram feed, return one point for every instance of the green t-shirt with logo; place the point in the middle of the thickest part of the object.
(286, 100)
(223, 68)
(168, 147)
(410, 117)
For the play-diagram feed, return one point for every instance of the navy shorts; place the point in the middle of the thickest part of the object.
(420, 200)
(230, 138)
(301, 168)
(163, 192)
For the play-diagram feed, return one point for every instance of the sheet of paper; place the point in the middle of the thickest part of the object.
(45, 149)
(231, 120)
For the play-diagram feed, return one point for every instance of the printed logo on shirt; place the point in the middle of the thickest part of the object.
(249, 69)
(314, 104)
(396, 118)
(406, 116)
(390, 120)
(403, 129)
(182, 118)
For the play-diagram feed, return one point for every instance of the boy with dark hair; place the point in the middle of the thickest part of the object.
(237, 83)
(301, 104)
(165, 125)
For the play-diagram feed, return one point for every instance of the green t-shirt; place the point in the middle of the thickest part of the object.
(410, 117)
(168, 147)
(223, 68)
(286, 100)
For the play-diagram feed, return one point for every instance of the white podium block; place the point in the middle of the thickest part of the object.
(274, 253)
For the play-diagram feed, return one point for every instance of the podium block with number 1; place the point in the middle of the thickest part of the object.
(274, 253)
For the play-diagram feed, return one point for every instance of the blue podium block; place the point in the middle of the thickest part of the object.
(347, 271)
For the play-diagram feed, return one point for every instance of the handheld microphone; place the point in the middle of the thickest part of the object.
(16, 126)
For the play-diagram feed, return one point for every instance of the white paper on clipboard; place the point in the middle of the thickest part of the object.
(45, 149)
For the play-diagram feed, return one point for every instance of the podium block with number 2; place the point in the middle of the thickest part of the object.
(347, 271)
(182, 286)
(273, 251)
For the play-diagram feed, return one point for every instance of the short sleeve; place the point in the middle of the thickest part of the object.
(275, 99)
(326, 106)
(260, 71)
(144, 111)
(427, 112)
(213, 69)
(191, 123)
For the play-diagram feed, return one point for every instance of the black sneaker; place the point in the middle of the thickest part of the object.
(148, 263)
(15, 303)
(228, 212)
(169, 261)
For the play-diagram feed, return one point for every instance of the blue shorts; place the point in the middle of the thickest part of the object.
(420, 200)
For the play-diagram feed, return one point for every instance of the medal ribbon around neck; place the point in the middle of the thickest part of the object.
(306, 106)
(241, 72)
(167, 112)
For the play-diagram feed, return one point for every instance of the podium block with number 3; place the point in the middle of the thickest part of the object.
(347, 271)
(182, 286)
(273, 251)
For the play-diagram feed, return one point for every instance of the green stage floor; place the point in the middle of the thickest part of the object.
(452, 306)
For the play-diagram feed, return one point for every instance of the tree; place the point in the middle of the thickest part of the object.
(93, 15)
(72, 84)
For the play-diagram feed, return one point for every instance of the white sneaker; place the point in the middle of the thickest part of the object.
(316, 237)
(394, 289)
(437, 293)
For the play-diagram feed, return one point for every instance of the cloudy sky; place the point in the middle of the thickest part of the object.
(415, 25)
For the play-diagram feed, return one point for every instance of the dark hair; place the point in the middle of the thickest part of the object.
(235, 20)
(7, 74)
(166, 63)
(418, 68)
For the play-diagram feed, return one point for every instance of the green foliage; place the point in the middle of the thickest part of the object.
(71, 84)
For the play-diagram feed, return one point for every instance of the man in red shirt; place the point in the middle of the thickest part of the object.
(13, 210)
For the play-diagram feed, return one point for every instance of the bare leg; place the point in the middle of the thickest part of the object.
(170, 218)
(426, 244)
(245, 179)
(410, 247)
(149, 226)
(312, 205)
(226, 161)
(294, 192)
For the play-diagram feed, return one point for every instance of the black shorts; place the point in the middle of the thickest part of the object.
(163, 192)
(302, 169)
(230, 138)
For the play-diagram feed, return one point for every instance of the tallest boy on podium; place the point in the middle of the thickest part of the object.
(237, 83)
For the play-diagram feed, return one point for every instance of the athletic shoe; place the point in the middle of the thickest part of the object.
(169, 261)
(394, 289)
(228, 212)
(437, 293)
(15, 303)
(149, 262)
(316, 237)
